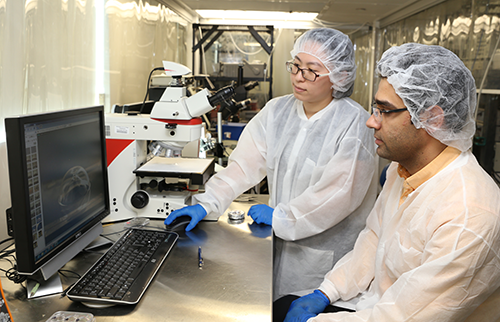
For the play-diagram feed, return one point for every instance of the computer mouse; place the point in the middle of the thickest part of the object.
(179, 224)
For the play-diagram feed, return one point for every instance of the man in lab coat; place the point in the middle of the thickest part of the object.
(430, 250)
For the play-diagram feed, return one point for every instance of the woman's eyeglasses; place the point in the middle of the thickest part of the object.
(308, 74)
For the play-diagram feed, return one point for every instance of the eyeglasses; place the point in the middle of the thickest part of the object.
(377, 113)
(307, 73)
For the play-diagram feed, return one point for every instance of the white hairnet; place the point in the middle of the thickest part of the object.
(425, 76)
(334, 49)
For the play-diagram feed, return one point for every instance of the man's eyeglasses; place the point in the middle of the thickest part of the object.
(308, 74)
(377, 113)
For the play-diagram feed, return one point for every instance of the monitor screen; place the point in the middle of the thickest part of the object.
(58, 182)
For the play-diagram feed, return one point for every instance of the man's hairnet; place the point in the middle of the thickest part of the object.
(425, 76)
(334, 49)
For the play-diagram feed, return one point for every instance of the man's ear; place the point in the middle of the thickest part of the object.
(433, 117)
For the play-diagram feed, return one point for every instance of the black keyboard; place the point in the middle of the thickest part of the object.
(123, 273)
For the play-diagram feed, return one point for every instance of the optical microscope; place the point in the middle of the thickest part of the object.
(148, 177)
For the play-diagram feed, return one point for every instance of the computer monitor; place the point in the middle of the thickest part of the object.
(59, 187)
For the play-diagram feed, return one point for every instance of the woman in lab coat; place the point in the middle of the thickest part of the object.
(319, 159)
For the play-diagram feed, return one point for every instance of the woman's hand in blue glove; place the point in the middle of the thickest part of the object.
(196, 212)
(261, 214)
(307, 307)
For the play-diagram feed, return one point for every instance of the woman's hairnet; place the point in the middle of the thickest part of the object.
(334, 49)
(425, 76)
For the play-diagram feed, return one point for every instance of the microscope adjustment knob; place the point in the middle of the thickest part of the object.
(139, 199)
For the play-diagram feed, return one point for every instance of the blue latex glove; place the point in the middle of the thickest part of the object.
(196, 212)
(261, 214)
(306, 307)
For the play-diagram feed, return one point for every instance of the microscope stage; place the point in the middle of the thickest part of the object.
(197, 170)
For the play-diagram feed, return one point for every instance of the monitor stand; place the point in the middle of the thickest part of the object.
(49, 287)
(48, 272)
(97, 243)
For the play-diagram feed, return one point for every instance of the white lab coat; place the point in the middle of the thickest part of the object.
(322, 179)
(434, 258)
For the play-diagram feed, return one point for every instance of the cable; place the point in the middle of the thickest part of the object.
(487, 66)
(147, 87)
(241, 50)
(361, 27)
(328, 24)
(115, 233)
(496, 178)
(11, 263)
(266, 98)
(13, 275)
(6, 240)
(63, 271)
(4, 252)
(7, 253)
(484, 77)
(203, 61)
(480, 40)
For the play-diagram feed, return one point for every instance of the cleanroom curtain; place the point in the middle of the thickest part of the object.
(468, 28)
(46, 55)
(141, 36)
(48, 52)
(363, 51)
(59, 54)
(46, 63)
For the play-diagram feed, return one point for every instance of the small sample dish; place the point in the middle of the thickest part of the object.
(236, 216)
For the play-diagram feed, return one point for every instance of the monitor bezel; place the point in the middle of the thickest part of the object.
(18, 177)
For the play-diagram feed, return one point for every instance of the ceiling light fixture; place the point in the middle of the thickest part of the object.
(257, 15)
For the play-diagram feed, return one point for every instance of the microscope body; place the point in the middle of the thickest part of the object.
(149, 175)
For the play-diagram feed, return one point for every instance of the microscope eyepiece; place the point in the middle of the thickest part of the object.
(222, 95)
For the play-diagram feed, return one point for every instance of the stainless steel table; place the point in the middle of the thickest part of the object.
(234, 284)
